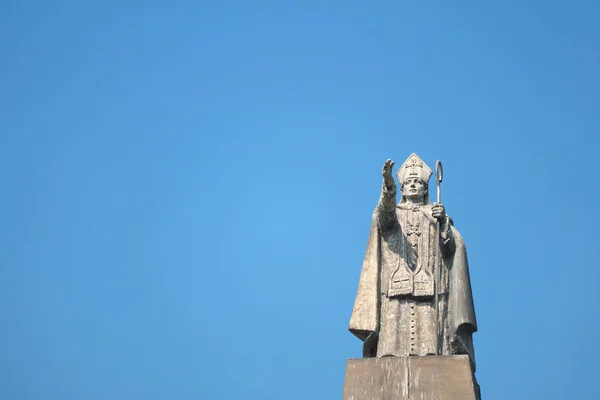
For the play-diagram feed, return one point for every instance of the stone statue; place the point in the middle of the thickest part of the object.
(395, 308)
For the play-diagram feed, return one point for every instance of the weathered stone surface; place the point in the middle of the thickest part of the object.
(410, 378)
(414, 293)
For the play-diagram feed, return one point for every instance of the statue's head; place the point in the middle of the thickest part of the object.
(414, 188)
(414, 176)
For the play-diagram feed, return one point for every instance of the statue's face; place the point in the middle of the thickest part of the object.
(414, 188)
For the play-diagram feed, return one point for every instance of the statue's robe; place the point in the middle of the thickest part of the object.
(394, 311)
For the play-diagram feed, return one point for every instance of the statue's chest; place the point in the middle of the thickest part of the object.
(410, 270)
(413, 224)
(416, 233)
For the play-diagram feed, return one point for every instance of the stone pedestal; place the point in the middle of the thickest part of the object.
(410, 378)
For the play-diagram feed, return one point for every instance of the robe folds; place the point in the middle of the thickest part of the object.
(394, 310)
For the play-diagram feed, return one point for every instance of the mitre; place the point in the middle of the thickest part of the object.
(413, 167)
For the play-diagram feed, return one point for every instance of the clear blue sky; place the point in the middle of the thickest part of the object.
(187, 188)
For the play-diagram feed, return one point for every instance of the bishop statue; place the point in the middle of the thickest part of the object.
(414, 294)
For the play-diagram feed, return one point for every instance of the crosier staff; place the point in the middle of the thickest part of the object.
(439, 175)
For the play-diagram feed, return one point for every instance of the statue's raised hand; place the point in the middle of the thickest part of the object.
(386, 172)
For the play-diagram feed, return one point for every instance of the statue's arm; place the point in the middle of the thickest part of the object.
(386, 207)
(447, 241)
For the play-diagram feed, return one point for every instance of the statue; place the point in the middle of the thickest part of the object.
(413, 253)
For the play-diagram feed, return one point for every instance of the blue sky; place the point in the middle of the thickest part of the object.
(187, 188)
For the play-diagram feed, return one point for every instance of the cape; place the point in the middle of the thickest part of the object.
(364, 322)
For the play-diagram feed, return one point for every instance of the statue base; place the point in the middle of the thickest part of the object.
(410, 378)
